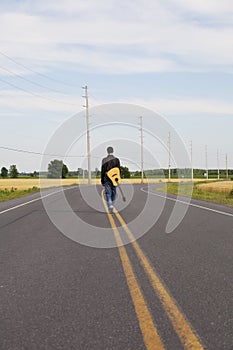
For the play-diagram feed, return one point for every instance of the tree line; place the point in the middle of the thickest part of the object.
(57, 169)
(12, 172)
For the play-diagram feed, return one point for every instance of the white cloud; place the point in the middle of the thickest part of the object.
(114, 37)
(190, 106)
(92, 9)
(181, 106)
(71, 7)
(99, 37)
(207, 7)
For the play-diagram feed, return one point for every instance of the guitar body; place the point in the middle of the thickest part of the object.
(115, 176)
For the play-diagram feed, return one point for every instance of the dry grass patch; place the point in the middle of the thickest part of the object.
(155, 181)
(223, 186)
(25, 184)
(19, 184)
(200, 192)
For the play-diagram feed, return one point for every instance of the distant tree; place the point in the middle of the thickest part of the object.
(80, 172)
(125, 173)
(55, 169)
(137, 173)
(34, 174)
(97, 172)
(13, 171)
(4, 172)
(65, 171)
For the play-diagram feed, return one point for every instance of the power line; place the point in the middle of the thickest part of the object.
(34, 94)
(39, 153)
(43, 154)
(34, 71)
(30, 81)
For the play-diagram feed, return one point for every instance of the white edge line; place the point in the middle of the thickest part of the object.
(33, 200)
(189, 204)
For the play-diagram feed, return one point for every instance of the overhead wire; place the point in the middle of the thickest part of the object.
(35, 94)
(42, 154)
(51, 155)
(30, 81)
(105, 109)
(34, 71)
(39, 153)
(41, 97)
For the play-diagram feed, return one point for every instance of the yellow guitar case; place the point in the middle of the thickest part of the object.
(115, 176)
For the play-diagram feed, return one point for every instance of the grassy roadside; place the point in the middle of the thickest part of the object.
(13, 192)
(5, 195)
(198, 193)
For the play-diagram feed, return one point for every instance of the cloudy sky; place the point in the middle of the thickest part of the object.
(173, 56)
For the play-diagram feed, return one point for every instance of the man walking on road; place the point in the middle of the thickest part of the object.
(108, 163)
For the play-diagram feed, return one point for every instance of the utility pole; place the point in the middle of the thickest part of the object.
(169, 156)
(88, 135)
(206, 162)
(226, 167)
(191, 152)
(142, 160)
(218, 164)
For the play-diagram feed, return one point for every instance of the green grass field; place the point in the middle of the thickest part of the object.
(5, 195)
(198, 192)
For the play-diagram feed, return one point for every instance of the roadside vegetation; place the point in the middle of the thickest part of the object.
(14, 184)
(6, 194)
(217, 192)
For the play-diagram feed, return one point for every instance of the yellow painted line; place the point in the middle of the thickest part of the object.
(180, 324)
(150, 334)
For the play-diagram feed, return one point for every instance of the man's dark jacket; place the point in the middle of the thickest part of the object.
(108, 163)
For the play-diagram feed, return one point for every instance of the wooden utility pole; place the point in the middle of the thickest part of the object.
(218, 164)
(227, 168)
(169, 156)
(88, 135)
(191, 152)
(206, 162)
(142, 158)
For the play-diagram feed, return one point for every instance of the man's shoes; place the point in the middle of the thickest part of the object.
(110, 209)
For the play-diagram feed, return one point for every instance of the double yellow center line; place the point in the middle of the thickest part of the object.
(148, 328)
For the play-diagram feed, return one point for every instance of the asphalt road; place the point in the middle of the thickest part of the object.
(166, 291)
